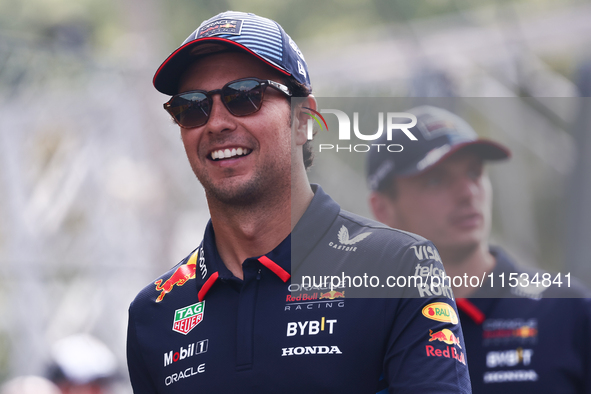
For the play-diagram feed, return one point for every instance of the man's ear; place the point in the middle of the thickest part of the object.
(383, 208)
(300, 118)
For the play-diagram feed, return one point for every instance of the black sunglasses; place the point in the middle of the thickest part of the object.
(241, 97)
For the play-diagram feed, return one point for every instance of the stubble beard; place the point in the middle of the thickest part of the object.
(457, 250)
(267, 182)
(270, 182)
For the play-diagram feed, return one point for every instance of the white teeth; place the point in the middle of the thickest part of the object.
(227, 153)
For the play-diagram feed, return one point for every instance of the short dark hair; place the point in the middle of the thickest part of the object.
(389, 188)
(298, 89)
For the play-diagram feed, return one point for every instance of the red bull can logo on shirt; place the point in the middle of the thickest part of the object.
(445, 336)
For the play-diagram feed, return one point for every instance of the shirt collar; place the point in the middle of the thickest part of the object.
(214, 263)
(311, 227)
(486, 298)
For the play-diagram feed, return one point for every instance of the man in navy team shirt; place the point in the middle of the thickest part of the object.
(231, 317)
(519, 339)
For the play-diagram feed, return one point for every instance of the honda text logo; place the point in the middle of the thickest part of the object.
(396, 122)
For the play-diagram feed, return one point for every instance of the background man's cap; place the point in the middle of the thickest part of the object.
(29, 385)
(439, 134)
(82, 359)
(261, 37)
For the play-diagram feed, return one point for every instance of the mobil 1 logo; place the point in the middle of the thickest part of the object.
(191, 350)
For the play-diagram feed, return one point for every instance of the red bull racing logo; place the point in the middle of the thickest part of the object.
(448, 352)
(179, 277)
(220, 26)
(512, 331)
(445, 336)
(449, 338)
(331, 295)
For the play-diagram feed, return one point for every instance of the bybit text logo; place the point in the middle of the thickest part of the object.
(393, 120)
(310, 327)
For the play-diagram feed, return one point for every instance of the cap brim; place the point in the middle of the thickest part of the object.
(166, 79)
(486, 149)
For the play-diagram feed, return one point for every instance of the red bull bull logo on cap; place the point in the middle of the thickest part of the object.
(181, 275)
(440, 311)
(445, 336)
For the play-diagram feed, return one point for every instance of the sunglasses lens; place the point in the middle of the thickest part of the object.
(243, 97)
(190, 109)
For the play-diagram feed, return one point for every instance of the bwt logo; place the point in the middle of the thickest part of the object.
(392, 124)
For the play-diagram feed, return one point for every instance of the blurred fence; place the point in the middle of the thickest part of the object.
(93, 180)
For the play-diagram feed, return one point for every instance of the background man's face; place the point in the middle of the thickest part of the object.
(449, 204)
(265, 134)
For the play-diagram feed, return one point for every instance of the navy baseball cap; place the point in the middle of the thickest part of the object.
(261, 37)
(439, 134)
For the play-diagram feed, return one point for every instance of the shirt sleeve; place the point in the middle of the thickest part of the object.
(425, 351)
(141, 380)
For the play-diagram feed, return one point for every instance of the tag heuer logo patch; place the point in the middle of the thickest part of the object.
(185, 319)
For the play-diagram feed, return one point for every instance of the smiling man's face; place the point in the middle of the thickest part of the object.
(262, 141)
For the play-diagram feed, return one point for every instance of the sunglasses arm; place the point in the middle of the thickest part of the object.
(280, 87)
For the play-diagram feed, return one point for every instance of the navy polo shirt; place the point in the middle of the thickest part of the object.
(198, 328)
(527, 344)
